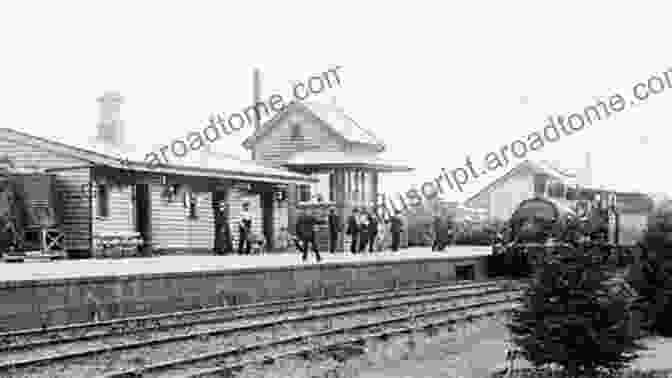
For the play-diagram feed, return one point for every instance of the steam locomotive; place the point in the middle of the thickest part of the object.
(540, 222)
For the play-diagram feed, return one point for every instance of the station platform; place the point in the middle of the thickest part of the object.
(35, 294)
(148, 266)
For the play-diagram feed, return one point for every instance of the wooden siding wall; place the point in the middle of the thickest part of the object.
(171, 226)
(76, 208)
(276, 147)
(120, 217)
(69, 182)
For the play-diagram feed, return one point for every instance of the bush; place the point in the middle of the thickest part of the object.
(652, 276)
(568, 317)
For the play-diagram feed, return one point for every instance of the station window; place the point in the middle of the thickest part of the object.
(322, 188)
(103, 200)
(304, 193)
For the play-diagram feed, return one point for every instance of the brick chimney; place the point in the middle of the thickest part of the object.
(256, 91)
(110, 125)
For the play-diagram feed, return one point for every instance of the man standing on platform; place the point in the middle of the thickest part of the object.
(353, 230)
(363, 230)
(244, 229)
(436, 230)
(305, 230)
(334, 229)
(395, 229)
(222, 231)
(373, 231)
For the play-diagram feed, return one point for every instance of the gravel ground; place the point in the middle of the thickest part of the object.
(481, 352)
(468, 350)
(473, 350)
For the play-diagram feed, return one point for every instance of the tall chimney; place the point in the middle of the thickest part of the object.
(256, 97)
(256, 93)
(110, 125)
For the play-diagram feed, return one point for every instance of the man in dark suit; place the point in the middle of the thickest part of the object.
(363, 230)
(244, 229)
(305, 230)
(395, 229)
(334, 229)
(353, 230)
(436, 230)
(373, 231)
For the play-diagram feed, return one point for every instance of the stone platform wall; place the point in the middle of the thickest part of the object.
(30, 304)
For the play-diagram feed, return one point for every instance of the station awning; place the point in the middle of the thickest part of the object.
(339, 159)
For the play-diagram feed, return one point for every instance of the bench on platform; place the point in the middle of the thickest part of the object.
(117, 244)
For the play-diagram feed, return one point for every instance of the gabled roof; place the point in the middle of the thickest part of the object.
(344, 124)
(537, 167)
(86, 155)
(628, 201)
(554, 170)
(193, 164)
(332, 117)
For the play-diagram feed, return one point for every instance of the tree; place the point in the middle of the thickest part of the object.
(570, 316)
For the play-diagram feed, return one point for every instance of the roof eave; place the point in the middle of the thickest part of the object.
(199, 171)
(379, 167)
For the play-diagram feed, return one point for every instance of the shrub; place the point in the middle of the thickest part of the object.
(652, 275)
(568, 317)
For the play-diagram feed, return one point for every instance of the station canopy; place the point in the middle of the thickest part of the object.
(339, 159)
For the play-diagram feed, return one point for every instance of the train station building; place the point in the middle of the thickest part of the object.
(78, 196)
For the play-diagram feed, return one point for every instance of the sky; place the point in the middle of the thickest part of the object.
(437, 81)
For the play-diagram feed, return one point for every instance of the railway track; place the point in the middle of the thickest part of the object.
(33, 338)
(186, 340)
(221, 363)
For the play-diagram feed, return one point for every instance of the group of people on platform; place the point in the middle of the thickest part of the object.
(365, 228)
